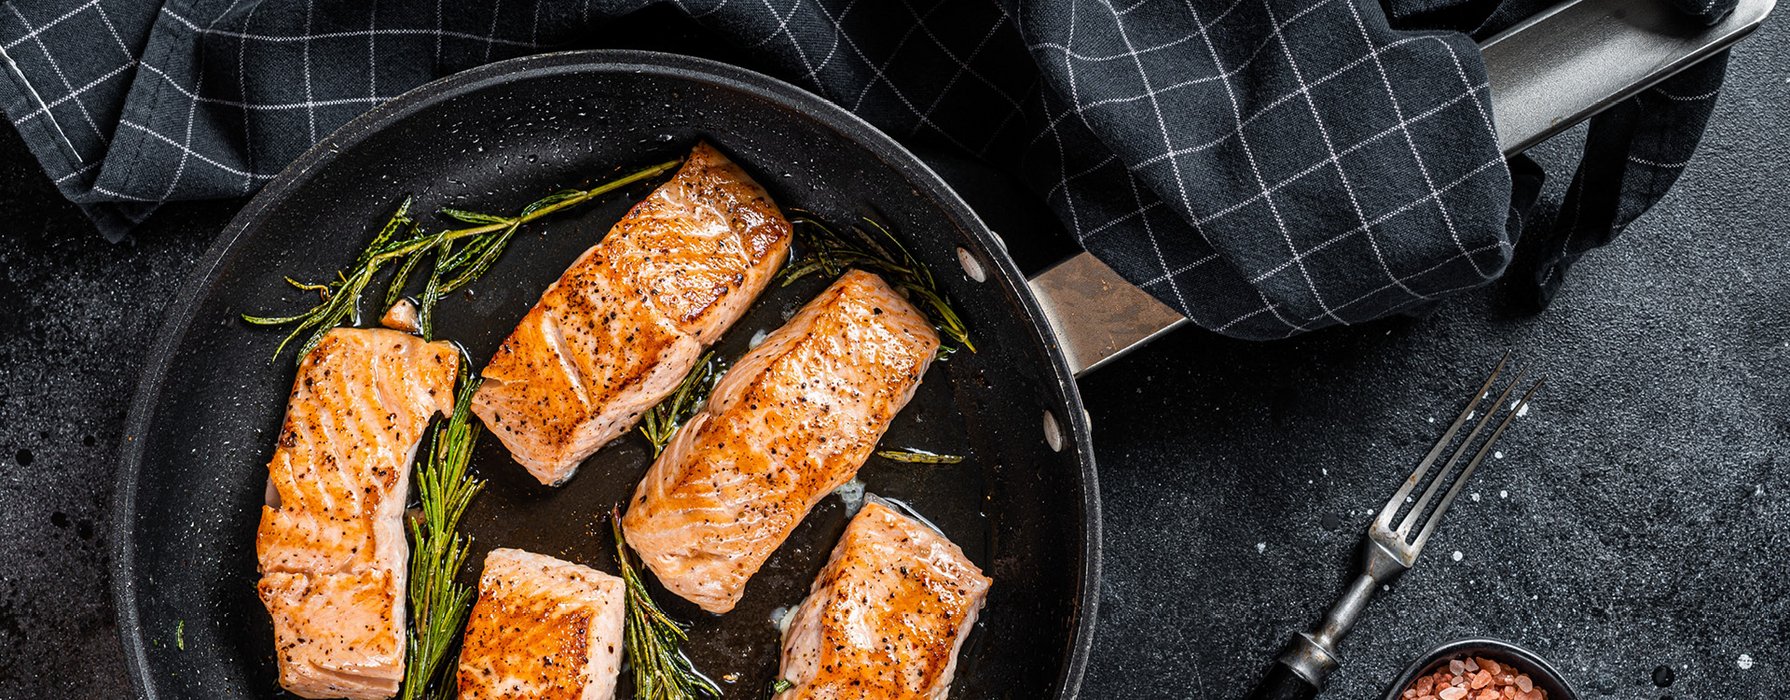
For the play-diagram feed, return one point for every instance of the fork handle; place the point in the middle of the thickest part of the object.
(1311, 656)
(1283, 683)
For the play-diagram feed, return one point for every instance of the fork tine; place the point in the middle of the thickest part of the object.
(1404, 527)
(1466, 472)
(1423, 467)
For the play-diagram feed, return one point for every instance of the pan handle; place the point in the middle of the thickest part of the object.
(1547, 74)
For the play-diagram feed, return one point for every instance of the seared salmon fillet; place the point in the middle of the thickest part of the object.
(793, 420)
(543, 628)
(624, 324)
(331, 541)
(887, 615)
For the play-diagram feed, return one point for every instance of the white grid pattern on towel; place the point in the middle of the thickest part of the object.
(1217, 80)
(1142, 204)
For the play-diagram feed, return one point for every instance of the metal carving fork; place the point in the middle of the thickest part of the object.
(1388, 551)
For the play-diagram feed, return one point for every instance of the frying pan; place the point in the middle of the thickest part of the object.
(1024, 505)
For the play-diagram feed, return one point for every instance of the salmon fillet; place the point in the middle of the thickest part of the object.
(793, 420)
(331, 541)
(887, 615)
(543, 628)
(623, 325)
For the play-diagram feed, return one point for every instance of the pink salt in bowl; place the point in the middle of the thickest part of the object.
(1541, 674)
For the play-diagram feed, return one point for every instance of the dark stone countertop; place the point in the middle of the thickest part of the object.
(1640, 517)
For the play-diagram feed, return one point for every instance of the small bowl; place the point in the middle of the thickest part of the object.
(1523, 660)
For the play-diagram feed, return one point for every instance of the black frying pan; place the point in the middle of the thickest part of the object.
(1024, 505)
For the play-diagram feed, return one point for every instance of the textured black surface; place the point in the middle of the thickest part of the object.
(1647, 518)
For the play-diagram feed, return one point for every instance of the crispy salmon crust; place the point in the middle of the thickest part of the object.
(887, 615)
(543, 629)
(623, 325)
(331, 542)
(789, 423)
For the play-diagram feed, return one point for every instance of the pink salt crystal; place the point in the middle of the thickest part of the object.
(1474, 678)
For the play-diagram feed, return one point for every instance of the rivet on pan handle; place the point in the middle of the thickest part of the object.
(1547, 74)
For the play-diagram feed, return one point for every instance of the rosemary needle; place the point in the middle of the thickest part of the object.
(660, 423)
(914, 456)
(461, 257)
(438, 603)
(829, 252)
(653, 640)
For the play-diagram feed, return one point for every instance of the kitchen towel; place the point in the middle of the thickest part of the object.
(1267, 167)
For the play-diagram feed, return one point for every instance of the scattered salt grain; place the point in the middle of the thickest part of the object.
(1457, 555)
(1261, 547)
(1745, 661)
(1504, 494)
(1498, 454)
(1476, 498)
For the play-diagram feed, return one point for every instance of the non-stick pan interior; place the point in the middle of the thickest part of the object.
(495, 140)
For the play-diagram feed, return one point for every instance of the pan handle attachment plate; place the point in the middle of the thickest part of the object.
(1096, 314)
(1547, 74)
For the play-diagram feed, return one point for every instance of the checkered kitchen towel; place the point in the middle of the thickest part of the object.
(1265, 166)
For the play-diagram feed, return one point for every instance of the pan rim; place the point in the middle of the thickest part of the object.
(179, 318)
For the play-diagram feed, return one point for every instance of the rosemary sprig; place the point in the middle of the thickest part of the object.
(438, 603)
(913, 456)
(339, 298)
(827, 251)
(461, 256)
(660, 423)
(654, 641)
